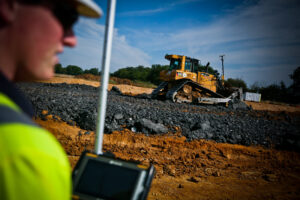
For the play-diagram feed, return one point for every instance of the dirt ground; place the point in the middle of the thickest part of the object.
(127, 89)
(193, 170)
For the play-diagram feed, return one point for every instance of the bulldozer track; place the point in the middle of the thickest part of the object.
(156, 91)
(173, 91)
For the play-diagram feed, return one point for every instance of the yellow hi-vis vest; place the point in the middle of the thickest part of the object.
(33, 165)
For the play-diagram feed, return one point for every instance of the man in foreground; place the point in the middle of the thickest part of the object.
(33, 165)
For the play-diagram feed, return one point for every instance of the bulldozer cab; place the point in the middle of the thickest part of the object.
(175, 64)
(184, 82)
(181, 67)
(191, 64)
(182, 63)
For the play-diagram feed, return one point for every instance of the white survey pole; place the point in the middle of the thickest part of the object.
(109, 28)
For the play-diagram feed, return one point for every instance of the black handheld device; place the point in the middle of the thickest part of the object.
(97, 177)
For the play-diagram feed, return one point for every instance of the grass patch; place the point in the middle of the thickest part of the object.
(144, 84)
(113, 82)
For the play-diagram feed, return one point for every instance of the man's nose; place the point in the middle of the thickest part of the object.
(69, 38)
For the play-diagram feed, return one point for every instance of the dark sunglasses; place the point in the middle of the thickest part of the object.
(64, 12)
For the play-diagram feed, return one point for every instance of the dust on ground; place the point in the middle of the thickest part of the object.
(192, 170)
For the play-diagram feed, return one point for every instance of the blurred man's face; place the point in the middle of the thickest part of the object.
(41, 37)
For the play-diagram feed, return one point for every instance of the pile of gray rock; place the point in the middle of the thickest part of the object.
(236, 124)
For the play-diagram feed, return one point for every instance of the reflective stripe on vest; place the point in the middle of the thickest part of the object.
(5, 100)
(8, 115)
(33, 165)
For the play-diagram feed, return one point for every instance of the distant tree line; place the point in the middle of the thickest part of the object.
(273, 92)
(141, 73)
(75, 70)
(152, 74)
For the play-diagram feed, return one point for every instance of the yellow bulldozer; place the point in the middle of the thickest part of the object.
(182, 82)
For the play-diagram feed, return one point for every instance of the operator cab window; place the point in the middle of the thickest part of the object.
(188, 66)
(175, 64)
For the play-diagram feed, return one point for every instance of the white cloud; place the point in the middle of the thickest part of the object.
(89, 50)
(258, 40)
(164, 8)
(143, 12)
(265, 34)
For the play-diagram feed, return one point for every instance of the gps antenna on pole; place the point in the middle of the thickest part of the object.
(105, 75)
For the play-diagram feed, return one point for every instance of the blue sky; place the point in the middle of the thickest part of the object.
(260, 38)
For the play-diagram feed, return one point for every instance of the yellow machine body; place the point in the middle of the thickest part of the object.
(183, 67)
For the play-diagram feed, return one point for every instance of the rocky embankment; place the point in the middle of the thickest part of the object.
(236, 124)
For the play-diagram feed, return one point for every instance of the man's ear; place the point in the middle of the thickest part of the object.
(7, 11)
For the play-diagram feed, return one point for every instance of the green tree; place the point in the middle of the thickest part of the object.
(255, 87)
(124, 73)
(295, 76)
(295, 87)
(133, 73)
(94, 71)
(153, 76)
(141, 73)
(59, 69)
(73, 70)
(273, 92)
(237, 82)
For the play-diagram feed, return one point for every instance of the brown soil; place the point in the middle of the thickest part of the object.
(192, 170)
(92, 77)
(86, 80)
(274, 106)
